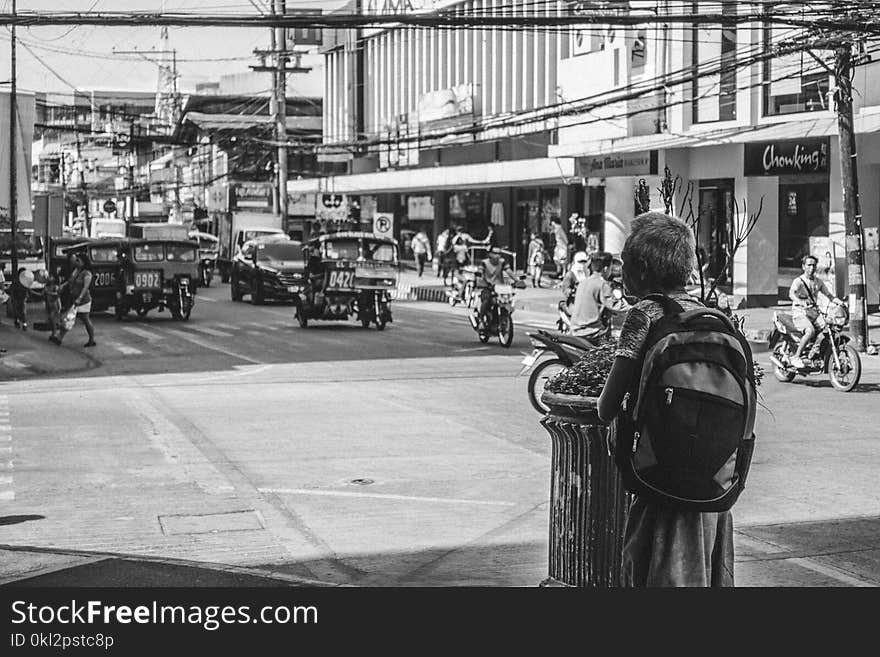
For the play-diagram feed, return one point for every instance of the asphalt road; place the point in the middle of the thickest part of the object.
(345, 455)
(224, 334)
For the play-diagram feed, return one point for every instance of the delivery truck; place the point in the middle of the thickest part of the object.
(236, 228)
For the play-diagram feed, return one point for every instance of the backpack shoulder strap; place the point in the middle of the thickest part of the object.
(670, 306)
(809, 291)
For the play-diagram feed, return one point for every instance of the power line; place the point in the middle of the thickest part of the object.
(858, 17)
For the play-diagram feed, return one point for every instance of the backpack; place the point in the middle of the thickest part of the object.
(685, 437)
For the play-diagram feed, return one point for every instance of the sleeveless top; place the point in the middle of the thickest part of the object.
(77, 283)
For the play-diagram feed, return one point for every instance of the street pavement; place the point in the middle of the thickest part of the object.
(238, 448)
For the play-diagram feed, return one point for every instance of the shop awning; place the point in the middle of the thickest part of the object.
(533, 172)
(824, 126)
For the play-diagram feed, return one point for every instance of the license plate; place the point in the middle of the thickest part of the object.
(341, 279)
(105, 279)
(293, 288)
(148, 279)
(529, 360)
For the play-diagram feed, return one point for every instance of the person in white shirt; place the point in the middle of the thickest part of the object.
(421, 247)
(804, 292)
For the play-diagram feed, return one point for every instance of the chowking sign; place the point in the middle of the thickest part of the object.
(777, 158)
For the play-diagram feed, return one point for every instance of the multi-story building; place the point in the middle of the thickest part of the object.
(87, 143)
(510, 128)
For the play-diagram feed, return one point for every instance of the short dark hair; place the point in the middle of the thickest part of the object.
(663, 247)
(809, 257)
(600, 260)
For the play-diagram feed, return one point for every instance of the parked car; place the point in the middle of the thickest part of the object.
(268, 268)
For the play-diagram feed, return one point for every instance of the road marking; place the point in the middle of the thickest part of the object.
(227, 327)
(149, 335)
(191, 338)
(204, 298)
(461, 351)
(380, 496)
(128, 351)
(254, 332)
(210, 331)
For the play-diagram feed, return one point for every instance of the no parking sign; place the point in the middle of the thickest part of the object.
(383, 224)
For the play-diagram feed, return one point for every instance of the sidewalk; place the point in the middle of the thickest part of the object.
(29, 353)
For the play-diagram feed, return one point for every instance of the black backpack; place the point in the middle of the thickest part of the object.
(685, 437)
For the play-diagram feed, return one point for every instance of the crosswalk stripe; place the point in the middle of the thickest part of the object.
(7, 495)
(5, 480)
(191, 338)
(210, 331)
(125, 349)
(227, 327)
(149, 335)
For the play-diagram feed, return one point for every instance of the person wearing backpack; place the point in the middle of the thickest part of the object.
(682, 390)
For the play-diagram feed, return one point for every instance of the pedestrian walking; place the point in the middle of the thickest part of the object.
(536, 259)
(663, 545)
(19, 298)
(52, 294)
(440, 248)
(560, 248)
(81, 300)
(421, 247)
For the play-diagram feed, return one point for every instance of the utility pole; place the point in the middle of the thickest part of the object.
(131, 164)
(13, 174)
(281, 113)
(82, 187)
(849, 180)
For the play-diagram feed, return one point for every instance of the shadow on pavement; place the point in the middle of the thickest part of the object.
(15, 520)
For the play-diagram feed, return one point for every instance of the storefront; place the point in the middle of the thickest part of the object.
(802, 168)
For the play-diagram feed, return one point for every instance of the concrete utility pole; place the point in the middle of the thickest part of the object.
(82, 187)
(281, 112)
(13, 174)
(855, 239)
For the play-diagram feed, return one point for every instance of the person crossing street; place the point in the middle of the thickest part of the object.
(421, 247)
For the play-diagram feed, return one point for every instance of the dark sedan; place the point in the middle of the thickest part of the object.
(268, 269)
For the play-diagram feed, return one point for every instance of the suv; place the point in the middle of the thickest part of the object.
(268, 268)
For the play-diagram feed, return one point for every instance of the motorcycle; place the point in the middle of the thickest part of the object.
(499, 321)
(564, 350)
(836, 357)
(206, 271)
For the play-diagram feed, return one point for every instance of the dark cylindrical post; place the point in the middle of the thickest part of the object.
(588, 503)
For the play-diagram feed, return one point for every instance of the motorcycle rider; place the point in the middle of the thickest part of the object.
(494, 270)
(577, 274)
(594, 300)
(805, 311)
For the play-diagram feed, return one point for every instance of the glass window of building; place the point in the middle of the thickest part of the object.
(714, 60)
(795, 82)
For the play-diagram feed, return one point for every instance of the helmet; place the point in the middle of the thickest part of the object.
(581, 256)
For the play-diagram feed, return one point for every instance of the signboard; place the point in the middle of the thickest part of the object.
(332, 207)
(383, 224)
(251, 196)
(420, 208)
(301, 204)
(641, 163)
(777, 158)
(109, 206)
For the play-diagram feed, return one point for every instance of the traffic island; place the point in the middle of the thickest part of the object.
(588, 504)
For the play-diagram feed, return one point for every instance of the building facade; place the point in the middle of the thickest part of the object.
(510, 129)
